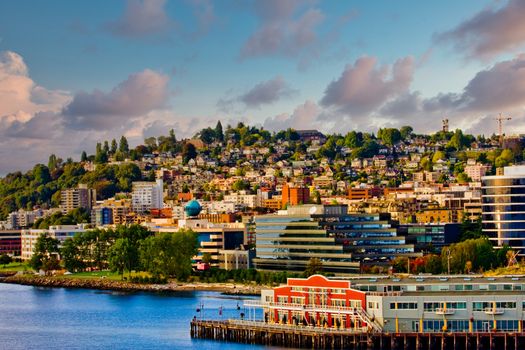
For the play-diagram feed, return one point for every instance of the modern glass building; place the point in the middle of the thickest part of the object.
(503, 208)
(340, 240)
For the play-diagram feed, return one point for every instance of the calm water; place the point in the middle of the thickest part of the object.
(48, 318)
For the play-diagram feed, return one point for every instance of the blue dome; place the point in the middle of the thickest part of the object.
(193, 208)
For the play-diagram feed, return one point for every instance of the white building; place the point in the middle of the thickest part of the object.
(246, 200)
(60, 232)
(147, 196)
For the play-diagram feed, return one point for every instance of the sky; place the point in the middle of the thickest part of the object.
(74, 73)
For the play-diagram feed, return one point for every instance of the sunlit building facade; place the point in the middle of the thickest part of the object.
(503, 208)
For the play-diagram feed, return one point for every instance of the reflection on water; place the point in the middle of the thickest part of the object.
(43, 318)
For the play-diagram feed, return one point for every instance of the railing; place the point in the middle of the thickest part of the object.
(389, 294)
(304, 307)
(356, 311)
(284, 326)
(493, 311)
(444, 311)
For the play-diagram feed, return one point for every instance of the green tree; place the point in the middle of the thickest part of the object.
(169, 254)
(313, 267)
(83, 157)
(114, 146)
(123, 145)
(121, 256)
(219, 135)
(5, 259)
(188, 152)
(45, 253)
(406, 132)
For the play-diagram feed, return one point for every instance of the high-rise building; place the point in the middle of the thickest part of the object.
(147, 196)
(503, 208)
(81, 197)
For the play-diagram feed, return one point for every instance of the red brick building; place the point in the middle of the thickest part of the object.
(316, 301)
(295, 195)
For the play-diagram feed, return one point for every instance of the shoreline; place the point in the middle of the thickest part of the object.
(123, 286)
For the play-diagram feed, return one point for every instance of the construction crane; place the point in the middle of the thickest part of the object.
(500, 120)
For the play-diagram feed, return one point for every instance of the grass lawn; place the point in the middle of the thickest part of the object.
(14, 266)
(115, 276)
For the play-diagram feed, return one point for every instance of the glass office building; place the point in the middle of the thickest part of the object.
(340, 240)
(503, 208)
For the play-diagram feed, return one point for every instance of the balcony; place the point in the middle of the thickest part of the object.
(444, 311)
(494, 311)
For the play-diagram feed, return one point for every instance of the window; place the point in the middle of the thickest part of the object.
(373, 305)
(403, 306)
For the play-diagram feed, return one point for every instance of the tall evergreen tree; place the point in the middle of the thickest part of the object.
(219, 135)
(114, 146)
(123, 146)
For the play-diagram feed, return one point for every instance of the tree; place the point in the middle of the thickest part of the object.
(151, 142)
(83, 157)
(52, 163)
(121, 256)
(169, 254)
(114, 146)
(123, 145)
(5, 259)
(313, 267)
(206, 258)
(188, 152)
(219, 135)
(389, 136)
(207, 135)
(406, 132)
(45, 253)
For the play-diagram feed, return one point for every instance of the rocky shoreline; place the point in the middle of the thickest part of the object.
(122, 286)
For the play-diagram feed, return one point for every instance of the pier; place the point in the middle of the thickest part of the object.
(256, 332)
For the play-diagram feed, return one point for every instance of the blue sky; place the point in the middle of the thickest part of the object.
(85, 71)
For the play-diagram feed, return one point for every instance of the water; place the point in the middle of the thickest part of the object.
(58, 318)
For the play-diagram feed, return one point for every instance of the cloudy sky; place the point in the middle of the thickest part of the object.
(76, 72)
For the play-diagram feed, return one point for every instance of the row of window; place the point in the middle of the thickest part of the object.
(481, 306)
(463, 325)
(441, 287)
(403, 306)
(461, 305)
(431, 307)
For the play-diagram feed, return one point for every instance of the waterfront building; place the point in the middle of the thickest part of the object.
(10, 242)
(286, 242)
(342, 241)
(147, 196)
(59, 232)
(74, 198)
(470, 303)
(503, 208)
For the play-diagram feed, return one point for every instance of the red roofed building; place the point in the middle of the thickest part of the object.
(316, 301)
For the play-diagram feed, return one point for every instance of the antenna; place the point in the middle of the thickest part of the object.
(500, 120)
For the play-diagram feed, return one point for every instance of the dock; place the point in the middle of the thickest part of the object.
(257, 332)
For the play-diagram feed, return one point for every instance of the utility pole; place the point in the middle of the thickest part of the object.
(500, 120)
